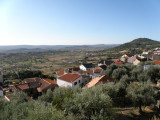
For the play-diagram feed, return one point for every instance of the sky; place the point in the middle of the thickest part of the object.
(78, 22)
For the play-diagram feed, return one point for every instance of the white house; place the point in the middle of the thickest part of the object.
(1, 76)
(86, 67)
(70, 80)
(145, 53)
(1, 91)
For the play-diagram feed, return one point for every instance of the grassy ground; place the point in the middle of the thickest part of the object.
(132, 113)
(48, 62)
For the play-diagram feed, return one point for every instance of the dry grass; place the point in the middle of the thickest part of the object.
(132, 113)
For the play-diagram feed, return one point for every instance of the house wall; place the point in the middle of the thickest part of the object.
(100, 64)
(95, 75)
(82, 68)
(131, 59)
(63, 83)
(145, 53)
(123, 59)
(79, 82)
(136, 62)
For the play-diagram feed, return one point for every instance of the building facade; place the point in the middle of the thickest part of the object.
(69, 80)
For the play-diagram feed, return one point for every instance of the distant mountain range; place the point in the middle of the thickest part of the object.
(142, 43)
(39, 48)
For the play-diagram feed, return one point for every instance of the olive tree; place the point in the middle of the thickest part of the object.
(118, 73)
(153, 73)
(90, 104)
(141, 93)
(48, 97)
(136, 71)
(110, 69)
(59, 95)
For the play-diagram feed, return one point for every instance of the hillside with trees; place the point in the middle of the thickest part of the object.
(139, 43)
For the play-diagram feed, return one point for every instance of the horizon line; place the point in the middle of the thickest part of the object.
(59, 44)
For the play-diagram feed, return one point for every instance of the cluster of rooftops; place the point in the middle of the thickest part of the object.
(86, 75)
(72, 77)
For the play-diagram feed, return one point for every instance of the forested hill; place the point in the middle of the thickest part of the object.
(141, 43)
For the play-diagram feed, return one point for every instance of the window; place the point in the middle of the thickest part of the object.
(79, 81)
(75, 83)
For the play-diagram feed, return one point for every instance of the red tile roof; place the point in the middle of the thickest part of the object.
(116, 60)
(157, 62)
(28, 80)
(19, 87)
(95, 70)
(41, 84)
(90, 71)
(118, 63)
(69, 77)
(61, 71)
(103, 79)
(46, 84)
(51, 81)
(98, 70)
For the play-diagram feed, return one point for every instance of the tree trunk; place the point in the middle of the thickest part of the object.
(140, 108)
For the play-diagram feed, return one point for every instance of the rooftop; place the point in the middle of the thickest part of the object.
(28, 80)
(46, 84)
(156, 62)
(22, 86)
(88, 65)
(69, 77)
(61, 71)
(103, 79)
(95, 70)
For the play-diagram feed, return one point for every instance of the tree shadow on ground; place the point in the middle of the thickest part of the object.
(142, 116)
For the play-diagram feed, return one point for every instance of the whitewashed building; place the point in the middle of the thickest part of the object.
(70, 80)
(86, 67)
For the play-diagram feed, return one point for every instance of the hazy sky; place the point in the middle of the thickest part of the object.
(52, 22)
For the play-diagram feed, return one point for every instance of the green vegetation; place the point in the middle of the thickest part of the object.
(137, 46)
(97, 103)
(65, 103)
(48, 61)
(22, 74)
(16, 77)
(141, 94)
(132, 88)
(135, 72)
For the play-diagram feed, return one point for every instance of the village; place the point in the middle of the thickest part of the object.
(86, 75)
